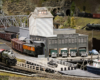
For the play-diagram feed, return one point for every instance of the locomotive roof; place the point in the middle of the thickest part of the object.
(17, 41)
(30, 45)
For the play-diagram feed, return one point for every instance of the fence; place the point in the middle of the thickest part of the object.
(30, 67)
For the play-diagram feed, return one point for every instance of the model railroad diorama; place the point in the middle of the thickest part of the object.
(41, 40)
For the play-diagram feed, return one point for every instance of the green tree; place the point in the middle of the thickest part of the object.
(59, 19)
(72, 22)
(12, 0)
(65, 24)
(69, 21)
(72, 8)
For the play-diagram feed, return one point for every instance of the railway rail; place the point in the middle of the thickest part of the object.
(15, 69)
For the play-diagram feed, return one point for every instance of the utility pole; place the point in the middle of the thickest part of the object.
(92, 38)
(98, 54)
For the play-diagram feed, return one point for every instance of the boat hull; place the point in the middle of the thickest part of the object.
(93, 69)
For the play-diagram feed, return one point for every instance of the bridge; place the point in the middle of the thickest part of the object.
(13, 20)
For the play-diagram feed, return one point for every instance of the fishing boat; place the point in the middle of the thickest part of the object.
(94, 67)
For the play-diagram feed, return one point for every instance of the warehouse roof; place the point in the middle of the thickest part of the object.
(41, 12)
(12, 29)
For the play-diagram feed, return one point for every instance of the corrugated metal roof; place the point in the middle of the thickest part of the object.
(22, 38)
(12, 29)
(41, 12)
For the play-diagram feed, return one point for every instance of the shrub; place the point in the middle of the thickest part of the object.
(69, 21)
(72, 8)
(59, 19)
(72, 22)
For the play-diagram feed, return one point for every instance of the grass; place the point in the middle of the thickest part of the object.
(9, 76)
(81, 22)
(20, 60)
(94, 34)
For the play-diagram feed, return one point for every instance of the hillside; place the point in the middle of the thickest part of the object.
(92, 6)
(81, 22)
(26, 6)
(20, 7)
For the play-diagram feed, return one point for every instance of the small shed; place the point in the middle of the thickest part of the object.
(41, 22)
(24, 34)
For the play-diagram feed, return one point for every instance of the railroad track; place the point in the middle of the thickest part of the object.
(13, 69)
(7, 42)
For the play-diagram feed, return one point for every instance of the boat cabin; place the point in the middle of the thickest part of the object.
(96, 63)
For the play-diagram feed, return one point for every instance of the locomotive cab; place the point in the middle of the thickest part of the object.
(1, 50)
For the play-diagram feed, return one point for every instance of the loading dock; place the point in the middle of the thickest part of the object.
(62, 41)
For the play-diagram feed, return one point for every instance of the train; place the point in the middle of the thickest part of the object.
(7, 57)
(7, 36)
(92, 26)
(35, 49)
(88, 15)
(21, 46)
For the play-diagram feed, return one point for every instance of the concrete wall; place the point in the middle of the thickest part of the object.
(64, 31)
